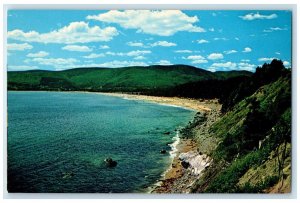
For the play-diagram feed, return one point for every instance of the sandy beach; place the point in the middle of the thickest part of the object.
(193, 104)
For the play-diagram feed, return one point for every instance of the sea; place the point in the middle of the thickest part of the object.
(57, 142)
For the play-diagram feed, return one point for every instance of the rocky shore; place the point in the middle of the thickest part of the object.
(191, 158)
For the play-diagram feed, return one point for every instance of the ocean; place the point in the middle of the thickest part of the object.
(57, 142)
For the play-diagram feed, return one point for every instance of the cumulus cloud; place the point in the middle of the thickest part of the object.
(75, 32)
(18, 47)
(202, 41)
(77, 48)
(183, 51)
(257, 16)
(93, 55)
(163, 23)
(135, 44)
(230, 51)
(56, 62)
(247, 50)
(195, 57)
(21, 68)
(220, 38)
(286, 63)
(103, 47)
(117, 64)
(246, 66)
(264, 59)
(215, 56)
(228, 65)
(163, 44)
(131, 53)
(163, 62)
(39, 54)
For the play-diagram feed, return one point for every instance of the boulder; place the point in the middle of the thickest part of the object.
(185, 164)
(163, 151)
(110, 162)
(167, 133)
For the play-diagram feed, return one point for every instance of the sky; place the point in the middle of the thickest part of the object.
(212, 40)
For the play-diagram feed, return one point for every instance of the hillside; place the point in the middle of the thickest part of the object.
(127, 79)
(251, 143)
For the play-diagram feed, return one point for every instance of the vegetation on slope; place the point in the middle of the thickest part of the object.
(254, 131)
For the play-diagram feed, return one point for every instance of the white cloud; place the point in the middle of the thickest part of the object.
(163, 62)
(131, 53)
(215, 56)
(230, 51)
(286, 63)
(39, 54)
(77, 48)
(265, 59)
(278, 53)
(139, 58)
(116, 64)
(56, 62)
(183, 51)
(163, 44)
(271, 29)
(245, 60)
(255, 16)
(211, 29)
(202, 41)
(103, 47)
(93, 55)
(247, 50)
(220, 38)
(246, 66)
(75, 32)
(195, 57)
(227, 65)
(18, 47)
(21, 68)
(236, 38)
(163, 23)
(135, 44)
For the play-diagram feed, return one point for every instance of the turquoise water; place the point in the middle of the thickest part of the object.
(57, 142)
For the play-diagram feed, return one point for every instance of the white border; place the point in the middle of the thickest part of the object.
(146, 4)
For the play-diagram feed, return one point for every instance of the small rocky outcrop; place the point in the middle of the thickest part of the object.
(110, 162)
(163, 151)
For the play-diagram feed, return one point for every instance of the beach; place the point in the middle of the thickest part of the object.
(188, 159)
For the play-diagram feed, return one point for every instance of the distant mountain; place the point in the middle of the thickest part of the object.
(127, 79)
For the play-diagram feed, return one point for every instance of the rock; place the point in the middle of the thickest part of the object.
(167, 133)
(110, 162)
(68, 175)
(185, 164)
(163, 151)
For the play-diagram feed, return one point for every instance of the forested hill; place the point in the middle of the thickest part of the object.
(149, 80)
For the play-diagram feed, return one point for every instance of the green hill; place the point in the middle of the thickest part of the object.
(251, 143)
(127, 79)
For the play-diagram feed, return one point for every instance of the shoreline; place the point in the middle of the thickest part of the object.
(187, 103)
(177, 178)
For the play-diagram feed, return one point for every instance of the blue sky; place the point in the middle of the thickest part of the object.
(212, 40)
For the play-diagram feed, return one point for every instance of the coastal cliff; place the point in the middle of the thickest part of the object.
(246, 149)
